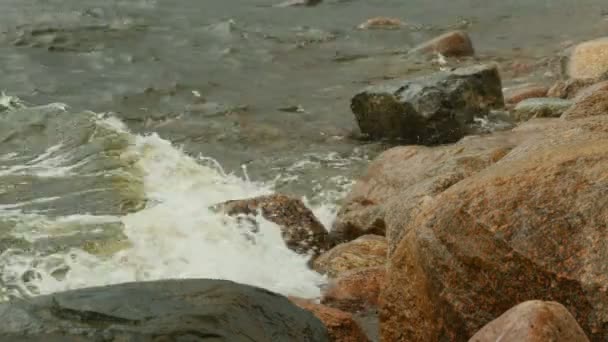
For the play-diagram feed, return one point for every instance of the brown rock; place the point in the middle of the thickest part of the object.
(591, 104)
(568, 89)
(301, 230)
(381, 23)
(451, 44)
(589, 60)
(514, 96)
(601, 85)
(366, 251)
(340, 325)
(533, 321)
(356, 290)
(411, 175)
(532, 226)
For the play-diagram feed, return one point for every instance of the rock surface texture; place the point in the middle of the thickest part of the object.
(172, 310)
(533, 321)
(532, 226)
(301, 230)
(431, 109)
(450, 44)
(366, 251)
(541, 108)
(589, 60)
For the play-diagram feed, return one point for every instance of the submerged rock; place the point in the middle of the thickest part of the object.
(168, 310)
(541, 108)
(589, 60)
(340, 325)
(533, 321)
(301, 230)
(531, 226)
(450, 44)
(381, 23)
(428, 110)
(366, 251)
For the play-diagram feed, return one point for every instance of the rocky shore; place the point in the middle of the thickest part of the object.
(456, 233)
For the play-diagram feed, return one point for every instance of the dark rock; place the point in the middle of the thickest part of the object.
(170, 310)
(431, 109)
(301, 230)
(533, 321)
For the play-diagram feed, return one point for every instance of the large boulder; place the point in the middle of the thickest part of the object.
(301, 230)
(533, 321)
(405, 176)
(428, 110)
(366, 251)
(170, 310)
(590, 104)
(532, 226)
(589, 60)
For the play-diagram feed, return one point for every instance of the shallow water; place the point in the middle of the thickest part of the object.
(261, 91)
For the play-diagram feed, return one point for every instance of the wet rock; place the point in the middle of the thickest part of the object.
(381, 23)
(589, 60)
(428, 110)
(531, 226)
(340, 325)
(533, 321)
(515, 96)
(547, 107)
(592, 104)
(403, 177)
(168, 310)
(301, 230)
(569, 88)
(366, 251)
(451, 44)
(356, 290)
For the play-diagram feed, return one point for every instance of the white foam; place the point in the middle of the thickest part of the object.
(177, 235)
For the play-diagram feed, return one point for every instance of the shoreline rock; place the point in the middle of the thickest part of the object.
(450, 44)
(365, 251)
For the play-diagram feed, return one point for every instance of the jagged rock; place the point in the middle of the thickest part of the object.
(533, 321)
(366, 251)
(301, 230)
(450, 44)
(341, 325)
(532, 226)
(428, 110)
(541, 108)
(168, 310)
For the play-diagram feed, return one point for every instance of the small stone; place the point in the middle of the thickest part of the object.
(546, 107)
(589, 59)
(451, 44)
(592, 104)
(294, 3)
(340, 325)
(366, 251)
(356, 290)
(533, 321)
(514, 96)
(381, 23)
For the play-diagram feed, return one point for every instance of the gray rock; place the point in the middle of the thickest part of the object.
(541, 108)
(428, 110)
(169, 310)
